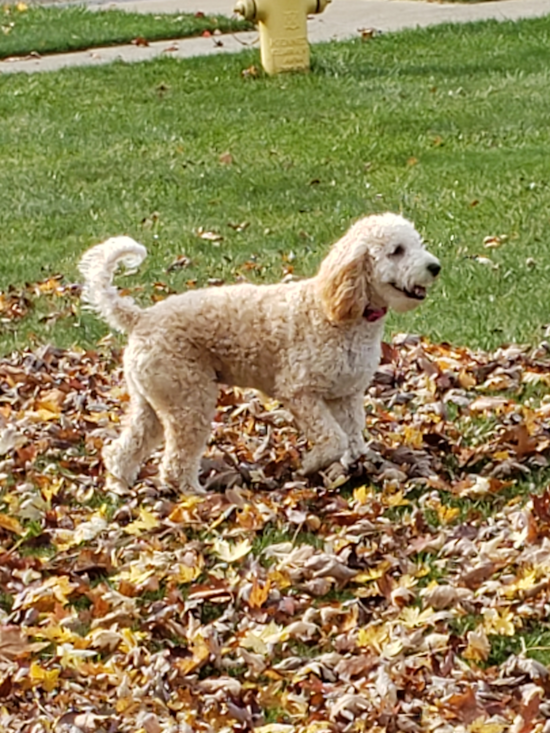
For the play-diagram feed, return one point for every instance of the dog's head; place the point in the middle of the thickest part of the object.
(379, 263)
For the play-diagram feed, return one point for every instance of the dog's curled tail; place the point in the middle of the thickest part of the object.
(98, 266)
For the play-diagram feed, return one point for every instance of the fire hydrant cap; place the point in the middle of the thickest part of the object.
(246, 8)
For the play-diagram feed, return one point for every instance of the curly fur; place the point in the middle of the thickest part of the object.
(310, 344)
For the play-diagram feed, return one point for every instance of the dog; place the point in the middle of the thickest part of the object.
(313, 344)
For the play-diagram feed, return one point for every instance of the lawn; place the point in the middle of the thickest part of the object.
(37, 29)
(447, 125)
(411, 595)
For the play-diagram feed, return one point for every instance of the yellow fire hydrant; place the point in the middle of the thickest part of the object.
(283, 30)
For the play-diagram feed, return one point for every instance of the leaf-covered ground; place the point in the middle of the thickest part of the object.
(411, 596)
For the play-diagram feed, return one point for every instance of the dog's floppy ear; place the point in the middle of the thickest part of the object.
(344, 280)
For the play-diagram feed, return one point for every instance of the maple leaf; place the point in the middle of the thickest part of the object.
(146, 522)
(373, 636)
(259, 593)
(45, 678)
(411, 616)
(231, 552)
(500, 622)
(200, 653)
(259, 638)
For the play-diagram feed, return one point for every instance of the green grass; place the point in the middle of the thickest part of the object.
(447, 125)
(73, 28)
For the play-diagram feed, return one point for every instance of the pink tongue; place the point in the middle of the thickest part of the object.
(375, 315)
(419, 291)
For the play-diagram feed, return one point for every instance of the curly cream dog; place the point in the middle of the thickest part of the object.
(313, 344)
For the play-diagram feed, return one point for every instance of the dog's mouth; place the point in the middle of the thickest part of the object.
(418, 292)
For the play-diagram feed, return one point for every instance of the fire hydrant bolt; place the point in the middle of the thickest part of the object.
(283, 30)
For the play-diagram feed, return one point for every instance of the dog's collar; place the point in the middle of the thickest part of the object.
(374, 314)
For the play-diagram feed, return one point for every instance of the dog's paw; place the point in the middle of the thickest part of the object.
(117, 486)
(335, 475)
(311, 463)
(357, 449)
(319, 457)
(348, 459)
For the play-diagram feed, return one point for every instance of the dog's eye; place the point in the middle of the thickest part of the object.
(398, 251)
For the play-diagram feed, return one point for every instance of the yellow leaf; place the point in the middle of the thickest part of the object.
(479, 647)
(98, 417)
(447, 514)
(124, 704)
(69, 656)
(131, 639)
(56, 633)
(52, 401)
(373, 636)
(480, 725)
(136, 575)
(413, 436)
(180, 513)
(231, 553)
(500, 624)
(45, 678)
(11, 524)
(362, 495)
(258, 639)
(43, 415)
(396, 499)
(21, 7)
(146, 522)
(526, 580)
(254, 642)
(340, 480)
(51, 488)
(56, 588)
(373, 573)
(413, 617)
(186, 573)
(423, 569)
(200, 651)
(259, 594)
(280, 579)
(501, 455)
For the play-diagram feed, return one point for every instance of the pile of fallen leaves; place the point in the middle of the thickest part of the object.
(410, 596)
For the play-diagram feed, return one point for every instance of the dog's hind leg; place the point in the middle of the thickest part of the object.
(141, 434)
(186, 412)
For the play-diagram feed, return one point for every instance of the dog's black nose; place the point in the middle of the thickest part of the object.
(434, 268)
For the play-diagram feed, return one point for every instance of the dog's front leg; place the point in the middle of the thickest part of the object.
(349, 412)
(329, 441)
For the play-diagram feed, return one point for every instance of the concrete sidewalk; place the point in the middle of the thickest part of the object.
(343, 19)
